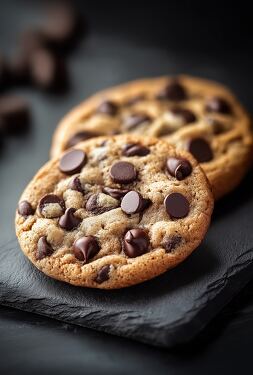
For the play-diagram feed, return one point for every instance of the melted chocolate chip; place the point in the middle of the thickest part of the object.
(103, 274)
(75, 184)
(72, 162)
(115, 193)
(133, 203)
(69, 221)
(187, 115)
(219, 105)
(136, 243)
(51, 199)
(171, 243)
(174, 91)
(44, 249)
(85, 248)
(108, 108)
(179, 168)
(134, 120)
(200, 149)
(79, 137)
(25, 208)
(123, 172)
(177, 206)
(135, 150)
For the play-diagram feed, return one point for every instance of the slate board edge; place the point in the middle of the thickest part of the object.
(165, 336)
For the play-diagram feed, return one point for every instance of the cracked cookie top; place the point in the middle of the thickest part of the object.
(114, 211)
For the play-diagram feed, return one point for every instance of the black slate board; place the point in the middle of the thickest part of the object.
(166, 311)
(176, 306)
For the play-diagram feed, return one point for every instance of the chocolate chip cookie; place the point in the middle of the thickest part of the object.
(114, 211)
(197, 115)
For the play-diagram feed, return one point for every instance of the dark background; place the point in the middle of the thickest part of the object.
(124, 40)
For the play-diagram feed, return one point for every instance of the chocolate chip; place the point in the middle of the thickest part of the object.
(135, 150)
(219, 105)
(15, 114)
(115, 193)
(136, 243)
(108, 108)
(133, 203)
(171, 243)
(174, 91)
(72, 162)
(187, 115)
(177, 206)
(134, 120)
(103, 274)
(86, 248)
(48, 72)
(135, 99)
(44, 249)
(100, 203)
(51, 199)
(217, 126)
(123, 172)
(25, 208)
(69, 221)
(200, 149)
(79, 137)
(179, 168)
(75, 184)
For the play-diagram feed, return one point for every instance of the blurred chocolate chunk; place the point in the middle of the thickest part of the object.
(32, 40)
(48, 72)
(79, 137)
(63, 26)
(19, 69)
(4, 74)
(14, 114)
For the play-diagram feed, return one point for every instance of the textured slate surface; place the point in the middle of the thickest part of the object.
(166, 311)
(174, 307)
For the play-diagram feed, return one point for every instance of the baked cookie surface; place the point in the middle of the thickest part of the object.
(114, 212)
(197, 115)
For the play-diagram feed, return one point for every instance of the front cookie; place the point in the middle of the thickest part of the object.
(114, 212)
(197, 115)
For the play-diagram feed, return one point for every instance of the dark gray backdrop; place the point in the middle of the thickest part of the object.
(124, 42)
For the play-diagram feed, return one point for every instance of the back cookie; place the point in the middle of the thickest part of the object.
(196, 115)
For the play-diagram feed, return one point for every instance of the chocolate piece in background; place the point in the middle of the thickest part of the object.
(19, 69)
(32, 39)
(4, 74)
(14, 114)
(63, 27)
(48, 71)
